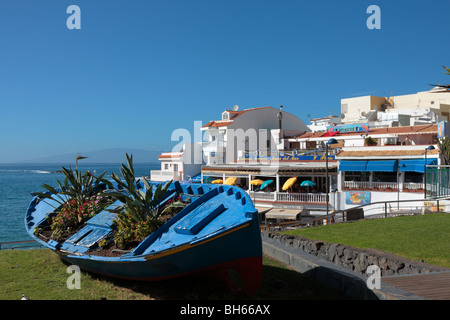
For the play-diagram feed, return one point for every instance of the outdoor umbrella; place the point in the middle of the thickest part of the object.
(218, 181)
(230, 181)
(289, 183)
(265, 184)
(308, 183)
(256, 182)
(207, 180)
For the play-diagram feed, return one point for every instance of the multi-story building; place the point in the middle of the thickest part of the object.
(423, 107)
(240, 132)
(178, 166)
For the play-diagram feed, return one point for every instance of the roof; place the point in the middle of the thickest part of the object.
(218, 124)
(427, 128)
(169, 155)
(386, 153)
(225, 123)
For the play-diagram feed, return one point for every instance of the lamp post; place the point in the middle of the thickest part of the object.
(331, 141)
(425, 172)
(280, 117)
(398, 185)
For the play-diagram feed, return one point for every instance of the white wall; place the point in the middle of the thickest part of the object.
(382, 197)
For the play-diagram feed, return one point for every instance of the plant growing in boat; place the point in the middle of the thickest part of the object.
(140, 213)
(174, 206)
(71, 215)
(81, 187)
(79, 198)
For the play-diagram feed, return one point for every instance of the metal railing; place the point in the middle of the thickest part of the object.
(288, 197)
(384, 209)
(385, 186)
(25, 244)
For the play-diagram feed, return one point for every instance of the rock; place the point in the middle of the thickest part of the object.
(348, 254)
(332, 252)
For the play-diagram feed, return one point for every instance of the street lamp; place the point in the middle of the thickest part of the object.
(280, 117)
(398, 185)
(331, 141)
(425, 172)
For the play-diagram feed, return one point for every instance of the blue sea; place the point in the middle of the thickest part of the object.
(17, 181)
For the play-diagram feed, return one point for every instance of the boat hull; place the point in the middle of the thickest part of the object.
(219, 256)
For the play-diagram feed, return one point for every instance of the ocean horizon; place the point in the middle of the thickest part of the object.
(19, 180)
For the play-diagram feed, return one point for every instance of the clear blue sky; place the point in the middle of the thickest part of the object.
(137, 70)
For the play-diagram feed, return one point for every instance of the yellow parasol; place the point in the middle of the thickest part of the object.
(218, 181)
(230, 181)
(256, 182)
(289, 183)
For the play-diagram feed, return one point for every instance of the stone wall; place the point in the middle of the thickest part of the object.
(355, 259)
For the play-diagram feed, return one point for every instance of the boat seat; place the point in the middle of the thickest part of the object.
(105, 218)
(195, 222)
(85, 239)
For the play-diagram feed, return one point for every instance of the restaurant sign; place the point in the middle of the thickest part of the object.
(287, 157)
(357, 197)
(362, 127)
(443, 129)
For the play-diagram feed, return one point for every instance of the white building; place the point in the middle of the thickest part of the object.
(179, 166)
(423, 107)
(321, 124)
(241, 132)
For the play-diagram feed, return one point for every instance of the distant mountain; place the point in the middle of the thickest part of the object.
(115, 155)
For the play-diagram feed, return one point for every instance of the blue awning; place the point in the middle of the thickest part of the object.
(415, 165)
(382, 165)
(197, 178)
(348, 165)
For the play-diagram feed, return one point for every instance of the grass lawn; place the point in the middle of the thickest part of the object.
(41, 275)
(424, 237)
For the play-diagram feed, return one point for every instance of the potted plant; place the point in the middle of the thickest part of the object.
(369, 141)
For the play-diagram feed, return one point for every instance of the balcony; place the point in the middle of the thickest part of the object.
(162, 175)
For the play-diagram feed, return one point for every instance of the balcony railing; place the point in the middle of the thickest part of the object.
(288, 197)
(161, 175)
(386, 186)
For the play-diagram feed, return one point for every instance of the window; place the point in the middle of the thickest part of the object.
(225, 116)
(166, 166)
(415, 177)
(384, 177)
(357, 176)
(175, 167)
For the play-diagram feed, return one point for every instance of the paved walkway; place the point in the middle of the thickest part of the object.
(431, 286)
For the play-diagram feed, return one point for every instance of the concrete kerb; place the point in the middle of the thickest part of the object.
(351, 284)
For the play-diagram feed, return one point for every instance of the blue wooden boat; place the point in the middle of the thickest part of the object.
(217, 232)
